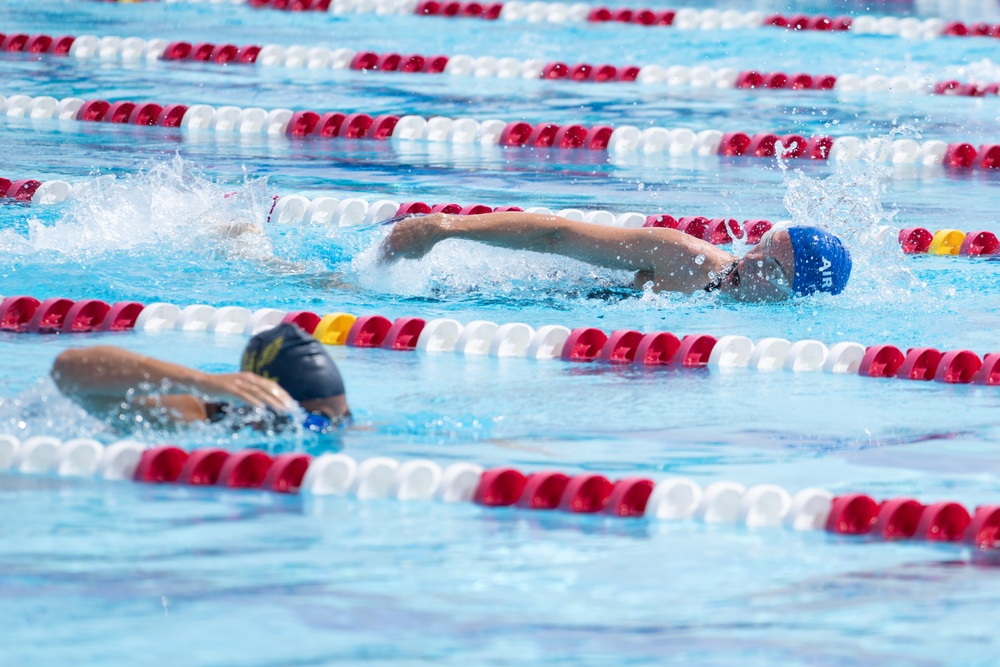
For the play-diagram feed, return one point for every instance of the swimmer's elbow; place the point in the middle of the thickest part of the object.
(549, 239)
(72, 369)
(66, 370)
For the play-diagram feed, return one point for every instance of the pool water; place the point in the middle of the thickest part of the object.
(107, 574)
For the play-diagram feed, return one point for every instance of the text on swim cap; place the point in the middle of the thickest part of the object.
(827, 274)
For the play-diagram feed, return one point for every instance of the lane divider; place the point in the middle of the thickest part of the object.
(31, 191)
(624, 139)
(134, 50)
(686, 18)
(918, 240)
(24, 314)
(333, 212)
(415, 480)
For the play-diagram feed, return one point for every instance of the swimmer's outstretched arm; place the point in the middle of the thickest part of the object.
(101, 378)
(667, 253)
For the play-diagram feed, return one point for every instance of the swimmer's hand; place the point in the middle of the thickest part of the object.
(248, 388)
(413, 238)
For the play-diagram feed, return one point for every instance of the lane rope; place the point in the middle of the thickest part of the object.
(416, 480)
(624, 139)
(25, 314)
(686, 18)
(135, 50)
(351, 209)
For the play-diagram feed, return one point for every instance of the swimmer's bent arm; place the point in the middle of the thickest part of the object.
(101, 378)
(657, 250)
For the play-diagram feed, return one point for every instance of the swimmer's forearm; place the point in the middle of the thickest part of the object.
(107, 371)
(609, 247)
(514, 230)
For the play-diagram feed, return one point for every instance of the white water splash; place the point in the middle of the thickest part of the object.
(848, 203)
(456, 267)
(169, 207)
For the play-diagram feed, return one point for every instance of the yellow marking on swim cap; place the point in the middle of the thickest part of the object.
(252, 363)
(333, 328)
(946, 242)
(270, 352)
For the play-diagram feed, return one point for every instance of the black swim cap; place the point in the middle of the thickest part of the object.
(295, 360)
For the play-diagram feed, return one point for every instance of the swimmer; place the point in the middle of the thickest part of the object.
(796, 261)
(282, 369)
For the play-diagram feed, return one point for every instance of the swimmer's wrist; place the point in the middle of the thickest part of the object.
(197, 380)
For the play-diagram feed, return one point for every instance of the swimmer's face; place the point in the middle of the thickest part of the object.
(333, 407)
(765, 273)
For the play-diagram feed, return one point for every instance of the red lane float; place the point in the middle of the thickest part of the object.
(755, 230)
(695, 350)
(920, 363)
(246, 469)
(22, 190)
(543, 490)
(286, 473)
(202, 467)
(979, 243)
(16, 312)
(584, 345)
(852, 514)
(369, 331)
(958, 367)
(620, 347)
(402, 335)
(881, 361)
(84, 316)
(695, 226)
(915, 240)
(304, 319)
(500, 487)
(586, 494)
(628, 497)
(160, 465)
(50, 315)
(898, 519)
(989, 372)
(984, 527)
(657, 349)
(121, 316)
(943, 522)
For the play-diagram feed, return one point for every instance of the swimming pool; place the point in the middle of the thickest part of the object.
(119, 573)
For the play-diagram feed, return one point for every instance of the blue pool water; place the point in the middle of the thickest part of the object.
(122, 574)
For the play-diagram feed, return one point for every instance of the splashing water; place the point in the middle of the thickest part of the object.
(169, 207)
(455, 268)
(848, 204)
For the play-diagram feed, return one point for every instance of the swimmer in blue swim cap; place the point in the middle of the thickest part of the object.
(282, 369)
(797, 261)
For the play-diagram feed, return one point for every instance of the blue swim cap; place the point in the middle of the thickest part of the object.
(822, 263)
(295, 360)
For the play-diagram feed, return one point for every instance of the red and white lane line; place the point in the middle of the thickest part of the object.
(300, 125)
(682, 18)
(134, 50)
(334, 212)
(349, 210)
(25, 314)
(423, 480)
(32, 191)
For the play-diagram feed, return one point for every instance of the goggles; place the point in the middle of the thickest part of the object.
(769, 269)
(320, 424)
